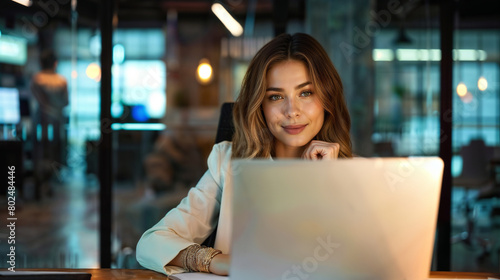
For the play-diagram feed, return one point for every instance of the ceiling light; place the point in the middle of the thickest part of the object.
(461, 89)
(204, 71)
(482, 84)
(231, 24)
(26, 3)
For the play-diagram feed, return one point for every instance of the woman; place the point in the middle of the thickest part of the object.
(291, 105)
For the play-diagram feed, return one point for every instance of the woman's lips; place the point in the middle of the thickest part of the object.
(294, 129)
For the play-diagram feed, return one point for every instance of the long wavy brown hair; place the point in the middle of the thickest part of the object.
(252, 138)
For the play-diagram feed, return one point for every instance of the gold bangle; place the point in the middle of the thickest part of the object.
(207, 256)
(188, 257)
(192, 258)
(197, 258)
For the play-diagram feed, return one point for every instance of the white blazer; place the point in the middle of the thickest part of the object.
(192, 221)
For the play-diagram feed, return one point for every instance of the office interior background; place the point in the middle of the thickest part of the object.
(174, 63)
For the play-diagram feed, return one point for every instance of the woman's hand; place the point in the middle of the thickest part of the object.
(321, 150)
(220, 264)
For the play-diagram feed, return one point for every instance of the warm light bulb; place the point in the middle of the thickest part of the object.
(93, 71)
(482, 84)
(204, 72)
(461, 89)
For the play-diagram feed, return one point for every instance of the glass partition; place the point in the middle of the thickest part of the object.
(46, 59)
(476, 148)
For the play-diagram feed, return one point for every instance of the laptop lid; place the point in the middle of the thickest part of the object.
(345, 219)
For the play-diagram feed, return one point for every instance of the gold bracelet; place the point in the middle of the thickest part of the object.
(188, 257)
(197, 258)
(206, 258)
(192, 258)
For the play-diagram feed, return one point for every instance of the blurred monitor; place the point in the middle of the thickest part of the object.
(13, 50)
(10, 112)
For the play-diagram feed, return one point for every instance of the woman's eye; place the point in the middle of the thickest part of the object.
(274, 97)
(305, 93)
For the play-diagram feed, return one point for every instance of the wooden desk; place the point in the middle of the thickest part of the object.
(142, 274)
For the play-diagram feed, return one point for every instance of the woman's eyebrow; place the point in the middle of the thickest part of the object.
(281, 90)
(303, 85)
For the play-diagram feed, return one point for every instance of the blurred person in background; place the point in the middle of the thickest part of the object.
(50, 96)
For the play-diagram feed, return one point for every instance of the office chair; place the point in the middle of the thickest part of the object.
(475, 175)
(225, 131)
(225, 128)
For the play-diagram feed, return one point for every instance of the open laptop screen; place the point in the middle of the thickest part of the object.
(350, 219)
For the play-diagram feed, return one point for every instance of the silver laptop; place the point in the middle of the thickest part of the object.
(346, 219)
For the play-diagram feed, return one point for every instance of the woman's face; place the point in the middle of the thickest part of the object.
(292, 108)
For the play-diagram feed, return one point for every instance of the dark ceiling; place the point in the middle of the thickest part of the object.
(144, 12)
(135, 13)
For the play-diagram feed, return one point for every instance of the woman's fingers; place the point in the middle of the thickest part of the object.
(321, 150)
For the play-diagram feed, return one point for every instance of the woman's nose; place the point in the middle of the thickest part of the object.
(291, 108)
